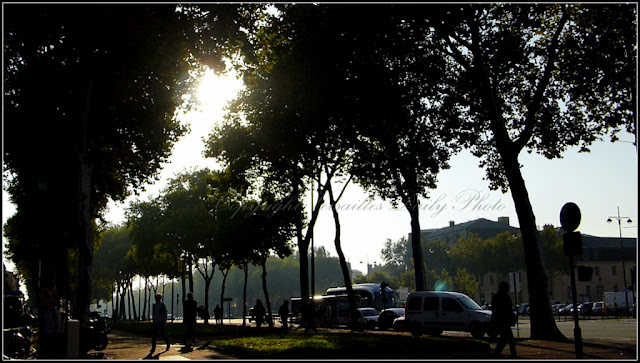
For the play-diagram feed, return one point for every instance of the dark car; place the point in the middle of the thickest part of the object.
(584, 309)
(565, 311)
(387, 316)
(370, 316)
(523, 309)
(597, 308)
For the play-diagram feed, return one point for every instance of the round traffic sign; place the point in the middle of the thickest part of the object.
(570, 217)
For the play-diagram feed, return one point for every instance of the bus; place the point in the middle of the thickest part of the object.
(331, 310)
(370, 295)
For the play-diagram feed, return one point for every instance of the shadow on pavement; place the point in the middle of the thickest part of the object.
(152, 356)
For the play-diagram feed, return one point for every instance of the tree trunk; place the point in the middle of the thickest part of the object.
(207, 283)
(114, 303)
(244, 294)
(133, 301)
(266, 293)
(543, 325)
(184, 285)
(303, 248)
(190, 257)
(224, 282)
(129, 300)
(353, 309)
(123, 312)
(84, 221)
(146, 286)
(140, 298)
(410, 201)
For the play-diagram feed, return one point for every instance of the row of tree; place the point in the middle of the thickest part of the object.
(379, 94)
(384, 95)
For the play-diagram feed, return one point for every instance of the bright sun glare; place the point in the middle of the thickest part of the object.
(215, 91)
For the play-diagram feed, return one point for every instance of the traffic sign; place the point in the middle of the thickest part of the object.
(570, 217)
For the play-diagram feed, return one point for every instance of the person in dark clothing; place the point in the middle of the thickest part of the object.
(159, 322)
(190, 314)
(284, 316)
(259, 312)
(49, 330)
(217, 313)
(503, 317)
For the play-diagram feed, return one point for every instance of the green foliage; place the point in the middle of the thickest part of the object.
(115, 246)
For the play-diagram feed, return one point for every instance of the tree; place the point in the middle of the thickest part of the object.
(101, 88)
(276, 135)
(540, 78)
(111, 251)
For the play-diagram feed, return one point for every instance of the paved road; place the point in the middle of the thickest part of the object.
(622, 330)
(602, 339)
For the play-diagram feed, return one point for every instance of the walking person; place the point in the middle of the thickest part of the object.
(503, 317)
(217, 313)
(259, 312)
(190, 313)
(49, 331)
(284, 316)
(159, 322)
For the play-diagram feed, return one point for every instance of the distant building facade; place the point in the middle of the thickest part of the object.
(603, 254)
(483, 228)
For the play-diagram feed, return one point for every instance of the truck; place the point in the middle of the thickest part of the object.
(615, 302)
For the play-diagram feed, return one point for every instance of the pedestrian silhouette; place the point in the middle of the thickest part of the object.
(259, 312)
(159, 322)
(503, 318)
(217, 313)
(49, 332)
(284, 316)
(190, 314)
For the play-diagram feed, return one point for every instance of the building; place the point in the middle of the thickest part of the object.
(603, 254)
(484, 228)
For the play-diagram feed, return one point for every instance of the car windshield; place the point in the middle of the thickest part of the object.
(469, 303)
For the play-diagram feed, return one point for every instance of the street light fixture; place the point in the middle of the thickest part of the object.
(624, 273)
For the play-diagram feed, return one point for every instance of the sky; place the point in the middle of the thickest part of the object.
(599, 182)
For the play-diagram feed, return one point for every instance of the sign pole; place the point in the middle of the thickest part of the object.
(570, 217)
(515, 299)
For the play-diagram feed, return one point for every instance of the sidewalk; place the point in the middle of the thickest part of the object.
(127, 346)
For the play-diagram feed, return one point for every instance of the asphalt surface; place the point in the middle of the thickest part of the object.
(125, 346)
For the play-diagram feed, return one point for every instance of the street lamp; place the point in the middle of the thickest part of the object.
(432, 251)
(624, 273)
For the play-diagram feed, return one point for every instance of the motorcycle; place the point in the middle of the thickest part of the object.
(17, 343)
(94, 337)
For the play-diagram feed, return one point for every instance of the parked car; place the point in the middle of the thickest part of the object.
(371, 317)
(432, 312)
(387, 316)
(399, 324)
(523, 309)
(556, 308)
(584, 309)
(565, 311)
(597, 308)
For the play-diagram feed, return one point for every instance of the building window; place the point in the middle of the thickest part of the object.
(596, 270)
(615, 288)
(613, 270)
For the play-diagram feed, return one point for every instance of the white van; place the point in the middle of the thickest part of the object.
(433, 312)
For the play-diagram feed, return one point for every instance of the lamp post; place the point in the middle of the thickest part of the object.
(440, 249)
(624, 273)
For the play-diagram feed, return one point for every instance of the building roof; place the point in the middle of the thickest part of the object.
(484, 228)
